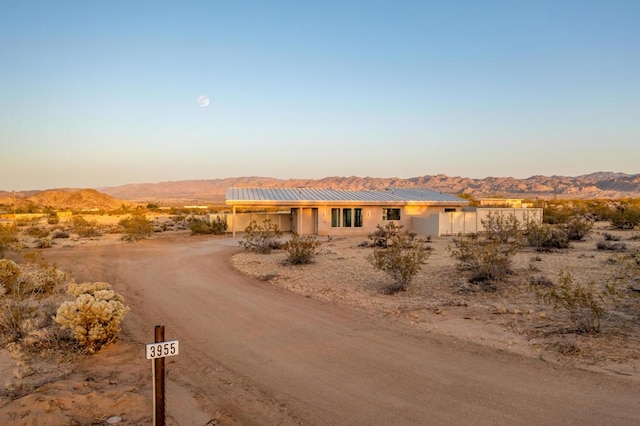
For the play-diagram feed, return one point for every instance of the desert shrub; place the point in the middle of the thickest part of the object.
(301, 250)
(610, 245)
(540, 281)
(85, 228)
(94, 317)
(16, 317)
(43, 243)
(201, 226)
(609, 237)
(488, 261)
(260, 238)
(58, 233)
(585, 306)
(599, 209)
(53, 218)
(34, 280)
(628, 269)
(556, 214)
(401, 258)
(381, 236)
(37, 232)
(32, 221)
(578, 228)
(8, 237)
(45, 280)
(136, 227)
(26, 305)
(10, 272)
(502, 228)
(544, 237)
(626, 217)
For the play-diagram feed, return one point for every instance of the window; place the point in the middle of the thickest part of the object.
(346, 218)
(357, 218)
(350, 218)
(391, 214)
(449, 209)
(335, 218)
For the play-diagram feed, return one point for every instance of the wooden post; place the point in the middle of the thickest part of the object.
(158, 380)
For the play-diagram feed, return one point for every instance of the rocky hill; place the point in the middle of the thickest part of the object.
(595, 185)
(72, 199)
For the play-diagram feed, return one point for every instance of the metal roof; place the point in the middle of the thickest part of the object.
(316, 195)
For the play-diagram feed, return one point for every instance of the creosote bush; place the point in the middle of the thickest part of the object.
(261, 238)
(578, 228)
(381, 236)
(585, 306)
(502, 228)
(201, 226)
(85, 228)
(301, 249)
(400, 257)
(610, 245)
(8, 237)
(626, 217)
(489, 261)
(136, 227)
(94, 317)
(545, 237)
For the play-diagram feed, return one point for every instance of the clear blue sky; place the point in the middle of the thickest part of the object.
(104, 93)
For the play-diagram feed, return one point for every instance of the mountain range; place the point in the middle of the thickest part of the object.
(595, 185)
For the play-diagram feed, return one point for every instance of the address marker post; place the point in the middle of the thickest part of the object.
(157, 352)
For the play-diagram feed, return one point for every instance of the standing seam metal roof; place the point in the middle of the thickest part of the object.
(326, 195)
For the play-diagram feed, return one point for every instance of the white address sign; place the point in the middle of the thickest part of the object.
(162, 349)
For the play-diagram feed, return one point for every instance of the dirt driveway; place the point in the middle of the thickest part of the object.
(261, 355)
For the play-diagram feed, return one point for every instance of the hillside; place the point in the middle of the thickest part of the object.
(72, 199)
(595, 185)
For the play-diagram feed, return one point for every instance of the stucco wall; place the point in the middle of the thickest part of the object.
(469, 222)
(283, 220)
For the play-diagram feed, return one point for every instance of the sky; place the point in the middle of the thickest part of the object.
(97, 94)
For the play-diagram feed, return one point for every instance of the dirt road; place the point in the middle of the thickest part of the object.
(266, 356)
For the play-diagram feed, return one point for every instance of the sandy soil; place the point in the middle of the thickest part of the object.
(320, 343)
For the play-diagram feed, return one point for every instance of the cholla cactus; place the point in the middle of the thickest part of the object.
(9, 274)
(87, 288)
(94, 316)
(45, 280)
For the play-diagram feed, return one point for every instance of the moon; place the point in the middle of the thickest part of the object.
(203, 101)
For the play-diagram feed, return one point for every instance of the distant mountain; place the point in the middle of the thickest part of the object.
(73, 199)
(594, 185)
(179, 193)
